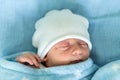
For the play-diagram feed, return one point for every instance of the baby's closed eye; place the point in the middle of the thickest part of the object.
(63, 45)
(83, 44)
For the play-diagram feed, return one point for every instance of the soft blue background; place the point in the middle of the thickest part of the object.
(17, 19)
(110, 71)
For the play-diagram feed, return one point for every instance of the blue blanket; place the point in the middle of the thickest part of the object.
(17, 71)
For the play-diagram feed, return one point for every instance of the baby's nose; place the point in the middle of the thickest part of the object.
(77, 51)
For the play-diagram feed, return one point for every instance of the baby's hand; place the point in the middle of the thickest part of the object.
(30, 59)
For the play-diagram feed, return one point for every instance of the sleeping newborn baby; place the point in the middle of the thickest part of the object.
(61, 37)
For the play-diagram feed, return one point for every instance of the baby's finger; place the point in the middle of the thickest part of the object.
(34, 61)
(38, 58)
(26, 60)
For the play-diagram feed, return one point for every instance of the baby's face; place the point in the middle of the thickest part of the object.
(68, 51)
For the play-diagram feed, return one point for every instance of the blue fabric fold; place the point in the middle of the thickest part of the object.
(67, 72)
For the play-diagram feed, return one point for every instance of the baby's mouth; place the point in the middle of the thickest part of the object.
(75, 61)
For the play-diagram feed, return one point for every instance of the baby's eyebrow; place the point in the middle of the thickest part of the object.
(82, 41)
(62, 43)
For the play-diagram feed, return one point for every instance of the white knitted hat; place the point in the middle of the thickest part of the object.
(58, 25)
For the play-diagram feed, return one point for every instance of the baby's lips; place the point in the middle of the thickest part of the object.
(76, 61)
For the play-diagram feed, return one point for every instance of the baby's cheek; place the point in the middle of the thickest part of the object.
(66, 57)
(65, 54)
(86, 56)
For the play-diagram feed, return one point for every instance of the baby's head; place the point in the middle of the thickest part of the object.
(62, 28)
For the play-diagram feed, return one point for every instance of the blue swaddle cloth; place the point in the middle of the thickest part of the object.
(11, 70)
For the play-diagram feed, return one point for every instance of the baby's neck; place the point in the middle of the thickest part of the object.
(44, 63)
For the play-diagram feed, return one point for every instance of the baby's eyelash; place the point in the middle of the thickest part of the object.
(83, 44)
(64, 47)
